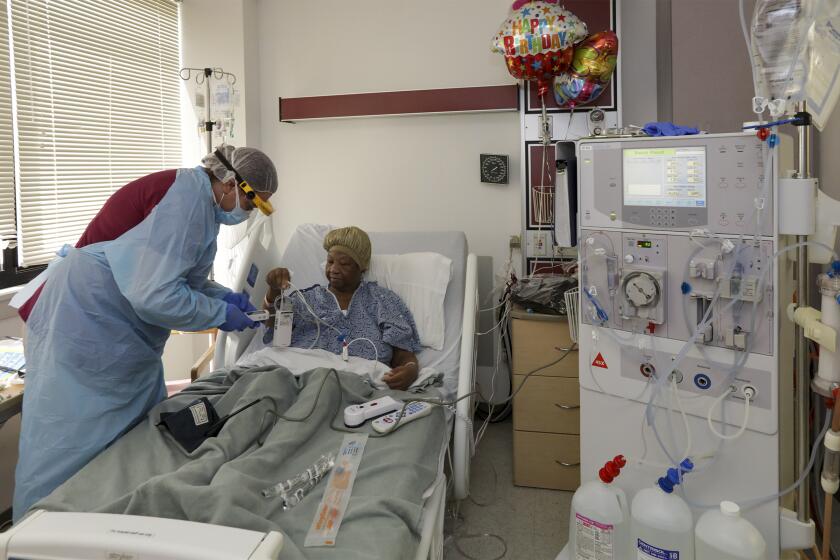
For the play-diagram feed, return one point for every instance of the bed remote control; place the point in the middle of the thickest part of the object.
(413, 411)
(357, 414)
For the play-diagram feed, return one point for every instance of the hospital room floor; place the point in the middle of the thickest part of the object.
(533, 522)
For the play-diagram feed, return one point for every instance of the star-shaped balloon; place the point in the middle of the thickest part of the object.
(543, 44)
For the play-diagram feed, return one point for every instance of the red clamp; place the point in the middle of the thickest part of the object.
(612, 469)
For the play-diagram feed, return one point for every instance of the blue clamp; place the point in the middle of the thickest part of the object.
(773, 141)
(835, 269)
(674, 476)
(685, 288)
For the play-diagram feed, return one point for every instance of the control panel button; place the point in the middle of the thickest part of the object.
(629, 259)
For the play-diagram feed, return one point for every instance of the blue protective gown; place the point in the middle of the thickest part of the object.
(96, 336)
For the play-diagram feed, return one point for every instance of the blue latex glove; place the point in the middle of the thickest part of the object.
(668, 129)
(236, 320)
(240, 300)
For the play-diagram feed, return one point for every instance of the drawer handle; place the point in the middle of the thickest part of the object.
(567, 406)
(567, 465)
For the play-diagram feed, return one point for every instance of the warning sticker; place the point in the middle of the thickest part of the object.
(593, 540)
(646, 551)
(600, 361)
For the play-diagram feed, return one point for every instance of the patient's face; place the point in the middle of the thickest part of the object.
(342, 272)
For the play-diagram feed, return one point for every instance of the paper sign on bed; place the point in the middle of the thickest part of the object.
(331, 510)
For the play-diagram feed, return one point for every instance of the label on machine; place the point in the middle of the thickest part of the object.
(593, 540)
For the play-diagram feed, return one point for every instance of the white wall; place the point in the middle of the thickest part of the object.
(405, 173)
(213, 36)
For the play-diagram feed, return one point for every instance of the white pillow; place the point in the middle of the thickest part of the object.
(420, 279)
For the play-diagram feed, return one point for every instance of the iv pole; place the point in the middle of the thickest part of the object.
(803, 378)
(203, 76)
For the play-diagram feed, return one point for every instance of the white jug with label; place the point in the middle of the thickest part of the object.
(722, 534)
(662, 524)
(599, 523)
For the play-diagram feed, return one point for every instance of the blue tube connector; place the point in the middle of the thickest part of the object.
(674, 476)
(602, 315)
(685, 288)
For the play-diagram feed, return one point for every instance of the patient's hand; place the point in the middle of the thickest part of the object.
(278, 279)
(401, 377)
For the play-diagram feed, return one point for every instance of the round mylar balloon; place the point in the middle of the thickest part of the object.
(591, 69)
(538, 39)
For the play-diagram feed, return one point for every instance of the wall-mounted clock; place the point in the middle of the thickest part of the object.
(494, 169)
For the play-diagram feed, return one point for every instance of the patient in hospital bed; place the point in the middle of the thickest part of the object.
(372, 321)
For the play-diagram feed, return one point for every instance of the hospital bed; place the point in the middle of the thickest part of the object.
(78, 534)
(305, 256)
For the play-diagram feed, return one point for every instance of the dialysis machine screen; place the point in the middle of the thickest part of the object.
(667, 177)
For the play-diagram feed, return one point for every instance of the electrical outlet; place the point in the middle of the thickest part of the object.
(541, 244)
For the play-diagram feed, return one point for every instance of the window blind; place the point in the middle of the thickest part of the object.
(98, 105)
(7, 184)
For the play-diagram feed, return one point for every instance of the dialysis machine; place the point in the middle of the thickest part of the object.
(680, 333)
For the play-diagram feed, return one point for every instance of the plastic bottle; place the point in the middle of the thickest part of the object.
(599, 523)
(662, 524)
(722, 534)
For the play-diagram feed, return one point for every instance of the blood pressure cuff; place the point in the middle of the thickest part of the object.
(192, 425)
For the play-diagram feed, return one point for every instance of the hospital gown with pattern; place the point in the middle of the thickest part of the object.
(375, 313)
(95, 338)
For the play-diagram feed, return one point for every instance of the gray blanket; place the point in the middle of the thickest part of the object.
(147, 473)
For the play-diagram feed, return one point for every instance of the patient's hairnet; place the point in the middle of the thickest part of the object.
(351, 241)
(254, 166)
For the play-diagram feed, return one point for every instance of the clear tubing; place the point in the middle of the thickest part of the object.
(742, 356)
(754, 502)
(743, 427)
(831, 465)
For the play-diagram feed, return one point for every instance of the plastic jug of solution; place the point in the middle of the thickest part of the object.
(662, 525)
(599, 523)
(722, 534)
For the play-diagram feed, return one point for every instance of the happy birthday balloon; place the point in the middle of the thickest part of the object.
(537, 40)
(589, 75)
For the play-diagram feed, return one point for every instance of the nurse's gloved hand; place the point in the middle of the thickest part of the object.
(236, 320)
(240, 300)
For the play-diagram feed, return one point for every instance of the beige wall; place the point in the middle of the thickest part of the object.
(826, 153)
(712, 80)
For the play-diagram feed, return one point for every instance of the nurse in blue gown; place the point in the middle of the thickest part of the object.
(96, 336)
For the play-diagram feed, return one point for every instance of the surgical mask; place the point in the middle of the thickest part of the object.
(233, 217)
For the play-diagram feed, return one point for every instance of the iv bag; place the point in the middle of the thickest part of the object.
(223, 97)
(823, 87)
(778, 44)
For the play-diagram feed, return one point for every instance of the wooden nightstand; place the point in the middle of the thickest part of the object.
(546, 415)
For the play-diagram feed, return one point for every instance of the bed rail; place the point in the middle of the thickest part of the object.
(466, 384)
